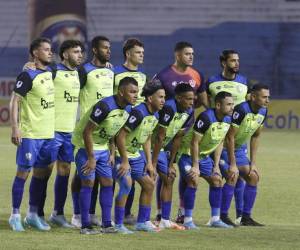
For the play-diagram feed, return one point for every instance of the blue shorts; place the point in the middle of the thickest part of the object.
(163, 162)
(102, 168)
(63, 148)
(34, 153)
(137, 167)
(206, 165)
(240, 156)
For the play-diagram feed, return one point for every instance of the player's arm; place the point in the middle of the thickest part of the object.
(22, 87)
(165, 117)
(147, 151)
(217, 156)
(202, 98)
(98, 114)
(253, 149)
(196, 139)
(230, 143)
(112, 151)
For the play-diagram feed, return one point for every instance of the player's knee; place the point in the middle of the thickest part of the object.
(88, 183)
(216, 181)
(193, 183)
(253, 178)
(63, 168)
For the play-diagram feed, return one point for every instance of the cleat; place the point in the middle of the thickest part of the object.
(76, 221)
(228, 221)
(109, 230)
(150, 224)
(129, 219)
(15, 223)
(190, 226)
(145, 227)
(60, 220)
(219, 224)
(35, 222)
(238, 220)
(167, 224)
(180, 217)
(122, 229)
(89, 231)
(157, 220)
(94, 220)
(248, 221)
(44, 222)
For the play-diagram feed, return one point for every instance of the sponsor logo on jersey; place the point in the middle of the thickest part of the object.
(97, 112)
(19, 84)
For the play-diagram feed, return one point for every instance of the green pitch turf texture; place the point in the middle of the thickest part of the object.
(277, 205)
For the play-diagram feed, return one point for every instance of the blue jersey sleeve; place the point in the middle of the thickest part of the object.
(202, 123)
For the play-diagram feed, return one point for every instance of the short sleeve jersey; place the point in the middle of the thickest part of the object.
(108, 118)
(66, 86)
(170, 77)
(173, 119)
(247, 122)
(212, 130)
(37, 103)
(121, 72)
(140, 124)
(95, 84)
(238, 87)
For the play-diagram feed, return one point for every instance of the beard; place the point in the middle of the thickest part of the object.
(101, 58)
(233, 71)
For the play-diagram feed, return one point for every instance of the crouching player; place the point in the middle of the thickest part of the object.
(172, 123)
(206, 139)
(247, 122)
(135, 165)
(94, 158)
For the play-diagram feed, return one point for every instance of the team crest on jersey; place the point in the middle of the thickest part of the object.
(28, 156)
(235, 115)
(192, 82)
(200, 124)
(132, 119)
(97, 112)
(19, 84)
(166, 117)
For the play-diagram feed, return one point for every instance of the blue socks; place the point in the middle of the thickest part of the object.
(85, 201)
(144, 213)
(17, 194)
(119, 215)
(60, 193)
(166, 209)
(249, 199)
(94, 198)
(130, 200)
(36, 192)
(158, 189)
(227, 194)
(76, 206)
(239, 197)
(215, 195)
(106, 200)
(189, 201)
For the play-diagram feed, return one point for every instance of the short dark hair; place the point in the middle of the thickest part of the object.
(221, 96)
(96, 40)
(151, 87)
(36, 43)
(258, 87)
(182, 45)
(130, 43)
(126, 81)
(226, 53)
(68, 44)
(182, 88)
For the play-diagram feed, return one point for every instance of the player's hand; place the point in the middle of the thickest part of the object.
(123, 169)
(194, 172)
(253, 168)
(16, 138)
(89, 166)
(216, 171)
(29, 65)
(151, 170)
(233, 172)
(111, 160)
(172, 172)
(109, 65)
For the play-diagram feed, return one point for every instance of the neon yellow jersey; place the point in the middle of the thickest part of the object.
(121, 72)
(237, 87)
(140, 124)
(37, 104)
(247, 122)
(67, 86)
(95, 84)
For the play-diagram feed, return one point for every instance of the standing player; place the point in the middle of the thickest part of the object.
(96, 82)
(133, 52)
(181, 70)
(206, 144)
(247, 122)
(231, 81)
(173, 119)
(32, 119)
(98, 126)
(67, 86)
(133, 164)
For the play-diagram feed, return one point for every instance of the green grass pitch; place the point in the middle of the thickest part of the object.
(277, 205)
